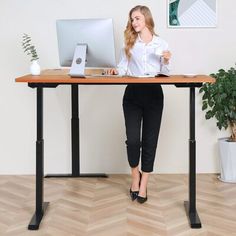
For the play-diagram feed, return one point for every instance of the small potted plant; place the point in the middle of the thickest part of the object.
(30, 49)
(219, 101)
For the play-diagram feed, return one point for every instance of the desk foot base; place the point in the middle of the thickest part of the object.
(193, 217)
(36, 219)
(93, 175)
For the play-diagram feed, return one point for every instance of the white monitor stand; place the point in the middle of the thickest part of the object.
(79, 60)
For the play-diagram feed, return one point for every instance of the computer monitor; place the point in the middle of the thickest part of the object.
(85, 43)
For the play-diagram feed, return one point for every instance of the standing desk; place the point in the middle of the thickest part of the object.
(54, 78)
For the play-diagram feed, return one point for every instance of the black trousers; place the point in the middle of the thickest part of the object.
(142, 105)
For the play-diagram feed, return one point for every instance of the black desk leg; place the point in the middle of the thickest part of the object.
(190, 205)
(40, 205)
(75, 139)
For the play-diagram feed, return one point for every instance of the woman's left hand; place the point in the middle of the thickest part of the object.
(166, 56)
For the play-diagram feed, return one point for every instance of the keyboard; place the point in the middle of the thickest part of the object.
(103, 76)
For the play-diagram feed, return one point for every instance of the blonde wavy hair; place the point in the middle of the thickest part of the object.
(130, 35)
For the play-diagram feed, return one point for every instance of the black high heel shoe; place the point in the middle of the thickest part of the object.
(141, 200)
(134, 194)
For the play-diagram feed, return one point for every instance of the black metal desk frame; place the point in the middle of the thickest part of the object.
(41, 206)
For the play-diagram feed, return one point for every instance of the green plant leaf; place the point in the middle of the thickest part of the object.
(28, 47)
(208, 115)
(204, 106)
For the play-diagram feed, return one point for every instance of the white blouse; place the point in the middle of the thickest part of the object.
(145, 58)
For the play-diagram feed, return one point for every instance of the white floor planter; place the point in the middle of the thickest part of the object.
(227, 161)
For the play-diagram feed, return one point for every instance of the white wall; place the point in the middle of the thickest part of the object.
(102, 133)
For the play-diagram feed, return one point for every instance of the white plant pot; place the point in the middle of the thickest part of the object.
(35, 68)
(227, 160)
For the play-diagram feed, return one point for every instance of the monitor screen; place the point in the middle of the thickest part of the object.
(97, 34)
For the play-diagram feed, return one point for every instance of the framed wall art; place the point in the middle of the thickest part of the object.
(192, 13)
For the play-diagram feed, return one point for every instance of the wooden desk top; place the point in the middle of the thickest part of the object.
(62, 77)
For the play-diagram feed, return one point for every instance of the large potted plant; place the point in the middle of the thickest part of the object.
(219, 102)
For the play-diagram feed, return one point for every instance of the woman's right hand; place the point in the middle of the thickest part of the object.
(111, 71)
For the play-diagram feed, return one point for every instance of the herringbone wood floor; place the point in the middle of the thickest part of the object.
(101, 207)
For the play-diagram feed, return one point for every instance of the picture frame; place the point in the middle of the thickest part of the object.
(192, 13)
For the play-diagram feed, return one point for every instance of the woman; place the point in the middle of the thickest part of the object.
(144, 54)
